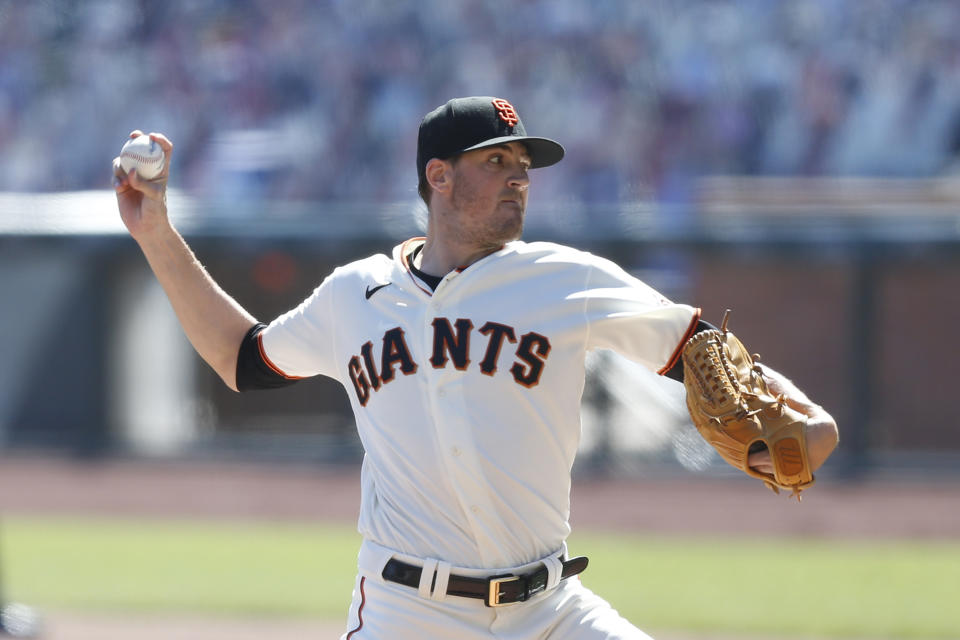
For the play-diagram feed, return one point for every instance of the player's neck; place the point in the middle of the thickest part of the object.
(438, 258)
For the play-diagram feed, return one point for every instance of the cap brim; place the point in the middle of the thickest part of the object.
(543, 151)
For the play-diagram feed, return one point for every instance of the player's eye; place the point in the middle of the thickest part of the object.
(496, 159)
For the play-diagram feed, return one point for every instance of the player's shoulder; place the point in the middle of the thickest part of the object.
(543, 249)
(362, 269)
(576, 266)
(553, 252)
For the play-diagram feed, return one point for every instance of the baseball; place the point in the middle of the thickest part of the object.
(144, 155)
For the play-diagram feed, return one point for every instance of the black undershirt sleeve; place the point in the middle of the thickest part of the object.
(676, 371)
(252, 370)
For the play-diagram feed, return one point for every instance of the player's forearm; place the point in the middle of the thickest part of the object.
(213, 321)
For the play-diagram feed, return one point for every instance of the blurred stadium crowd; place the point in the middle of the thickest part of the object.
(320, 99)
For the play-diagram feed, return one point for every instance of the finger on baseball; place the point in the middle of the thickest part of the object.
(167, 148)
(118, 169)
(163, 141)
(149, 188)
(136, 133)
(120, 182)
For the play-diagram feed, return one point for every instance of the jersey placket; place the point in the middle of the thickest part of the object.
(451, 418)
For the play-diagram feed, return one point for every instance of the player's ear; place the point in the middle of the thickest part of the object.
(439, 175)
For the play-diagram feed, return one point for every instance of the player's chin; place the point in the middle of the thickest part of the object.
(510, 225)
(512, 210)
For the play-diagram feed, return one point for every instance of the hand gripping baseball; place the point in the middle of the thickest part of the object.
(736, 411)
(142, 203)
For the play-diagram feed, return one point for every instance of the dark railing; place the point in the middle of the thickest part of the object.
(864, 339)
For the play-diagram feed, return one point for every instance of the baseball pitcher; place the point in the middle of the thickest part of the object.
(463, 357)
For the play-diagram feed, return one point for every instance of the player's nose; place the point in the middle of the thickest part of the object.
(519, 179)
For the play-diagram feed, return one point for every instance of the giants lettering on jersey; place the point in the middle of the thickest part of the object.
(451, 347)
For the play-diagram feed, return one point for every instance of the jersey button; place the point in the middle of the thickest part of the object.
(475, 509)
(455, 451)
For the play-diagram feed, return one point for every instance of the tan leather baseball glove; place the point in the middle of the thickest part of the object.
(735, 412)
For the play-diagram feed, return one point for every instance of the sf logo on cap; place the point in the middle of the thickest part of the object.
(506, 112)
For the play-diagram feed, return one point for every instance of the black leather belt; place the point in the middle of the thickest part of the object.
(496, 590)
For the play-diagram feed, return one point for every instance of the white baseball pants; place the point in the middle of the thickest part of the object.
(384, 610)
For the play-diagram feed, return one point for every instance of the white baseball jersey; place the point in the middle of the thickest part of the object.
(467, 398)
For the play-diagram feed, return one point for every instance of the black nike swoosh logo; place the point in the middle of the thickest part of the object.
(373, 290)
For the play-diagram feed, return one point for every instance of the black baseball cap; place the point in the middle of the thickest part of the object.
(465, 124)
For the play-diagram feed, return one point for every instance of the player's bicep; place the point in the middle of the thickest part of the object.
(629, 317)
(294, 346)
(649, 335)
(254, 368)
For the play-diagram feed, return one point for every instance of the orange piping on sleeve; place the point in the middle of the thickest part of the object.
(269, 363)
(686, 336)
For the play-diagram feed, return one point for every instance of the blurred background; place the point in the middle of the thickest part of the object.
(792, 161)
(797, 162)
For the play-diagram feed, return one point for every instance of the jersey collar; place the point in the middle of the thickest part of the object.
(403, 252)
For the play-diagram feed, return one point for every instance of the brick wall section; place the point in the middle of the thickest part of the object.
(799, 316)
